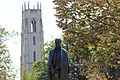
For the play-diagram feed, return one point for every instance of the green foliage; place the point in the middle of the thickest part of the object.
(26, 75)
(91, 31)
(6, 71)
(40, 68)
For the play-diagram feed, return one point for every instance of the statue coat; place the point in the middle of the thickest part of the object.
(63, 65)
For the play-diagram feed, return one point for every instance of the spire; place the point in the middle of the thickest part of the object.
(40, 5)
(37, 5)
(28, 5)
(40, 11)
(24, 5)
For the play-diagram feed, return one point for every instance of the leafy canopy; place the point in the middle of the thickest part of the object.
(91, 31)
(6, 70)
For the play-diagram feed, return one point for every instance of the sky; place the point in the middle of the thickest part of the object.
(11, 18)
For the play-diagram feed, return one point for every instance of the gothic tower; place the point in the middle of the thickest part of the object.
(31, 36)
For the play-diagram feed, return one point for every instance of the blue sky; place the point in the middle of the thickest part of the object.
(11, 16)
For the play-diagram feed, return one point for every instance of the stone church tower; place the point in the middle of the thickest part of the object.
(31, 36)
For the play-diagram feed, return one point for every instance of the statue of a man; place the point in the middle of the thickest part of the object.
(58, 63)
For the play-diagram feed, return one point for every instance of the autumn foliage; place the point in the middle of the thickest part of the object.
(92, 32)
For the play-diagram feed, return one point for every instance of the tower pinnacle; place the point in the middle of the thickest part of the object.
(37, 5)
(28, 5)
(24, 5)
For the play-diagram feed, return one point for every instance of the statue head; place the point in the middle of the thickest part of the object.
(57, 43)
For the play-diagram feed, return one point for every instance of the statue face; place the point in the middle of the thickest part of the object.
(58, 43)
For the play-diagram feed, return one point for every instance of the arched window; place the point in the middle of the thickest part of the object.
(34, 56)
(33, 26)
(33, 40)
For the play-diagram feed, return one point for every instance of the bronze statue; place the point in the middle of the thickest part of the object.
(58, 63)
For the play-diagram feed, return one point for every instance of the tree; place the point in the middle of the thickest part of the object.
(6, 71)
(91, 31)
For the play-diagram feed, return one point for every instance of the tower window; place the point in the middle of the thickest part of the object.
(33, 40)
(34, 56)
(33, 26)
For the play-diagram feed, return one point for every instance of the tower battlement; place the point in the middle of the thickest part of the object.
(26, 6)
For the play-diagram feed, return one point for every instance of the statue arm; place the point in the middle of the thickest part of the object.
(49, 57)
(50, 66)
(67, 63)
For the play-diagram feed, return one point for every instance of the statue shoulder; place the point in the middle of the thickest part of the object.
(64, 50)
(51, 51)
